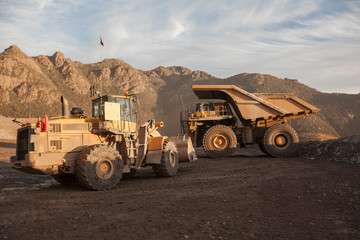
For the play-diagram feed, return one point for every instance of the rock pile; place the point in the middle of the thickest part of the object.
(346, 149)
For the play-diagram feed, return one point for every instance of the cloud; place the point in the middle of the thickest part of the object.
(178, 28)
(314, 41)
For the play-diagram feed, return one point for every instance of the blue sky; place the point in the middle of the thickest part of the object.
(316, 42)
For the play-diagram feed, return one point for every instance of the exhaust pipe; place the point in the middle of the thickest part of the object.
(65, 107)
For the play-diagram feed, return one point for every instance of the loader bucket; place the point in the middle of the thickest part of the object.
(185, 148)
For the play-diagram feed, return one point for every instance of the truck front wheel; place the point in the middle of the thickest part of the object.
(280, 140)
(219, 141)
(99, 167)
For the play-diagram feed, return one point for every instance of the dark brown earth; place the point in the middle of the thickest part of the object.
(241, 197)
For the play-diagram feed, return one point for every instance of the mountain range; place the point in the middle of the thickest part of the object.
(32, 87)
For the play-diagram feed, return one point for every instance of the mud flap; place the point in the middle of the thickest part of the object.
(185, 148)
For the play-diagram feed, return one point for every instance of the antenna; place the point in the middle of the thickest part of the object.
(92, 90)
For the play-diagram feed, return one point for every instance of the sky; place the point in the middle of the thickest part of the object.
(314, 41)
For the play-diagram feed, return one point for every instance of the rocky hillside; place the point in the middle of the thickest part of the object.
(32, 86)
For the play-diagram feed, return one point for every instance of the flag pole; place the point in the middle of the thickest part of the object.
(101, 44)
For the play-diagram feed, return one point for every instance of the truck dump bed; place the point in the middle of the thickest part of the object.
(250, 107)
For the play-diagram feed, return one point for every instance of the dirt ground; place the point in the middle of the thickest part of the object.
(246, 196)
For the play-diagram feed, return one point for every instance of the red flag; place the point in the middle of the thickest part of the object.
(101, 42)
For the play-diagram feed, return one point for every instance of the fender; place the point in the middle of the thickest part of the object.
(155, 147)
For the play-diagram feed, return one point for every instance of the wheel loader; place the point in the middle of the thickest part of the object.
(97, 152)
(243, 119)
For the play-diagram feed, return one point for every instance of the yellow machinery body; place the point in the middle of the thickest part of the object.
(62, 145)
(244, 118)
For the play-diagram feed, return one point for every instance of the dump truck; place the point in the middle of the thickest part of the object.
(244, 118)
(97, 152)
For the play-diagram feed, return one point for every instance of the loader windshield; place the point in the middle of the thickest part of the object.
(127, 107)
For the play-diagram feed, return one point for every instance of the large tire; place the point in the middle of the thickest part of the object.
(219, 141)
(169, 161)
(262, 148)
(66, 179)
(99, 167)
(280, 141)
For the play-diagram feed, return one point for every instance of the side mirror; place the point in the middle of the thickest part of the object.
(134, 99)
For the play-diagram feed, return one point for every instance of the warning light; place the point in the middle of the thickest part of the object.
(126, 93)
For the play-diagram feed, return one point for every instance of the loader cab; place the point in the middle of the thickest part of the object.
(126, 105)
(121, 110)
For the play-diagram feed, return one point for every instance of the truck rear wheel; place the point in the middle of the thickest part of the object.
(280, 140)
(169, 161)
(262, 148)
(99, 167)
(219, 141)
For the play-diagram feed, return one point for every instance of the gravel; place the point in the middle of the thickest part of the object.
(346, 149)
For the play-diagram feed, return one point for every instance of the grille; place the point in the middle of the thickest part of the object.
(22, 143)
(95, 126)
(55, 144)
(55, 127)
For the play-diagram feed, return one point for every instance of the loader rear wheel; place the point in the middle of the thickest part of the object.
(280, 141)
(219, 141)
(99, 167)
(65, 179)
(169, 161)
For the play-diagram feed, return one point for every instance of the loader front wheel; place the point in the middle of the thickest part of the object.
(99, 167)
(169, 161)
(219, 141)
(280, 140)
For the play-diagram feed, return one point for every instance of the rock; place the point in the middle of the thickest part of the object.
(346, 149)
(32, 86)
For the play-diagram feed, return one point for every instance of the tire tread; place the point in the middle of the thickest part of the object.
(220, 154)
